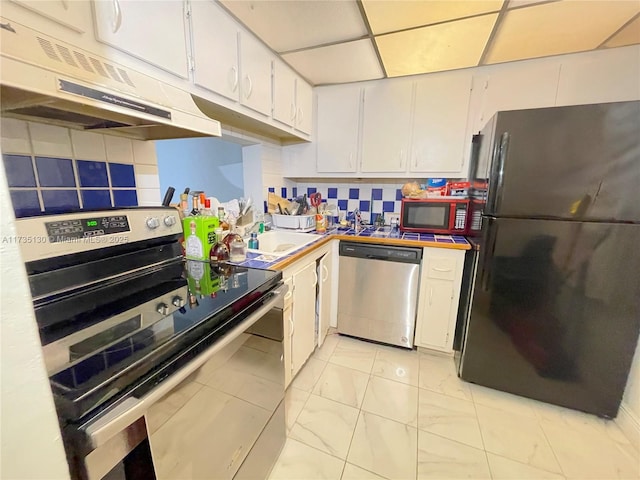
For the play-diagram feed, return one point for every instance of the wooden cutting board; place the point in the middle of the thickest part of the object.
(273, 201)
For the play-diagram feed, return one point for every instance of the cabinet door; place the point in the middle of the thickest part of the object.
(154, 33)
(324, 297)
(514, 87)
(255, 74)
(599, 77)
(65, 12)
(439, 124)
(386, 126)
(215, 49)
(284, 93)
(437, 315)
(337, 136)
(304, 316)
(304, 104)
(287, 318)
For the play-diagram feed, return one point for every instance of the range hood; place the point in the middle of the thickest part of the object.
(45, 80)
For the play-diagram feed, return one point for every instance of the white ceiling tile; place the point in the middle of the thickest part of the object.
(627, 36)
(439, 47)
(344, 62)
(290, 25)
(558, 27)
(392, 15)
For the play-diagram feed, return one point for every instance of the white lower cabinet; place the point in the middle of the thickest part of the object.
(303, 315)
(324, 296)
(440, 282)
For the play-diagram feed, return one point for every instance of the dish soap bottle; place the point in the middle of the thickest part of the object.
(253, 241)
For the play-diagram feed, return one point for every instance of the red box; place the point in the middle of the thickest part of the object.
(458, 189)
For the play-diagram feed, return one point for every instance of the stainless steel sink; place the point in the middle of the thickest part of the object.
(280, 243)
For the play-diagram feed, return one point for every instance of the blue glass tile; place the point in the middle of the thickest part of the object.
(311, 190)
(376, 194)
(19, 171)
(342, 204)
(60, 201)
(398, 194)
(445, 240)
(365, 205)
(332, 193)
(272, 189)
(411, 236)
(354, 193)
(428, 237)
(283, 192)
(55, 172)
(388, 206)
(95, 198)
(295, 192)
(25, 203)
(122, 175)
(92, 174)
(125, 198)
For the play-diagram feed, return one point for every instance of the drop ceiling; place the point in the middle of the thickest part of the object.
(339, 41)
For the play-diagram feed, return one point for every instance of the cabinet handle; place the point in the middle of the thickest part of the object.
(350, 160)
(325, 270)
(288, 295)
(401, 155)
(300, 116)
(292, 326)
(65, 4)
(293, 112)
(315, 278)
(234, 78)
(430, 295)
(441, 269)
(415, 161)
(249, 86)
(118, 16)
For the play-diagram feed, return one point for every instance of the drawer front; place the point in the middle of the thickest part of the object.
(441, 267)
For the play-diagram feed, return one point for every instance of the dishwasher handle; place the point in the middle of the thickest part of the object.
(377, 257)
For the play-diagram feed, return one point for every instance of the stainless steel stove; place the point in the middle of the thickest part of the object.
(127, 327)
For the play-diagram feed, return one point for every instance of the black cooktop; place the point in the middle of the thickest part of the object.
(217, 301)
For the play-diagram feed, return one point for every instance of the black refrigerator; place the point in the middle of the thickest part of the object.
(554, 306)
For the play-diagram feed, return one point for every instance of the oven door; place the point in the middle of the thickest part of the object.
(426, 216)
(221, 416)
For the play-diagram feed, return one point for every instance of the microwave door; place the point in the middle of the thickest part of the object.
(421, 216)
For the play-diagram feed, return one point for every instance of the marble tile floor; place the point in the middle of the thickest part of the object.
(359, 410)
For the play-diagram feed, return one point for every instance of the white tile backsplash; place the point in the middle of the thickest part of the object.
(119, 150)
(148, 197)
(88, 146)
(144, 152)
(50, 141)
(147, 176)
(15, 136)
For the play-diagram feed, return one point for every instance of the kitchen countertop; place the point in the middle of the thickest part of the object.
(367, 235)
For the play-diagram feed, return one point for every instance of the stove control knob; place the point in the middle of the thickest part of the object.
(170, 221)
(153, 223)
(178, 301)
(162, 309)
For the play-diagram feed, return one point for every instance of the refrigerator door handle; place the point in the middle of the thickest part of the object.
(498, 172)
(489, 246)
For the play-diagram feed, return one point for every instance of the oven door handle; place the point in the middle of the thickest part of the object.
(100, 430)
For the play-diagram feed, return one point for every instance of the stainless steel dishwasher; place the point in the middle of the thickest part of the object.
(378, 292)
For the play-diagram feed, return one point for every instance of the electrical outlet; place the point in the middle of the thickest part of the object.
(391, 216)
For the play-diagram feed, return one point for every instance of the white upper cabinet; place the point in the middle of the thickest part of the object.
(154, 32)
(386, 126)
(215, 50)
(284, 93)
(439, 124)
(609, 76)
(338, 113)
(292, 98)
(69, 13)
(516, 86)
(304, 106)
(255, 74)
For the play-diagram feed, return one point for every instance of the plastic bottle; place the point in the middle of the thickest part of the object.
(253, 241)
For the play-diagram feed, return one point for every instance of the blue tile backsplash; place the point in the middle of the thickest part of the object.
(55, 172)
(122, 175)
(52, 186)
(19, 171)
(60, 200)
(92, 174)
